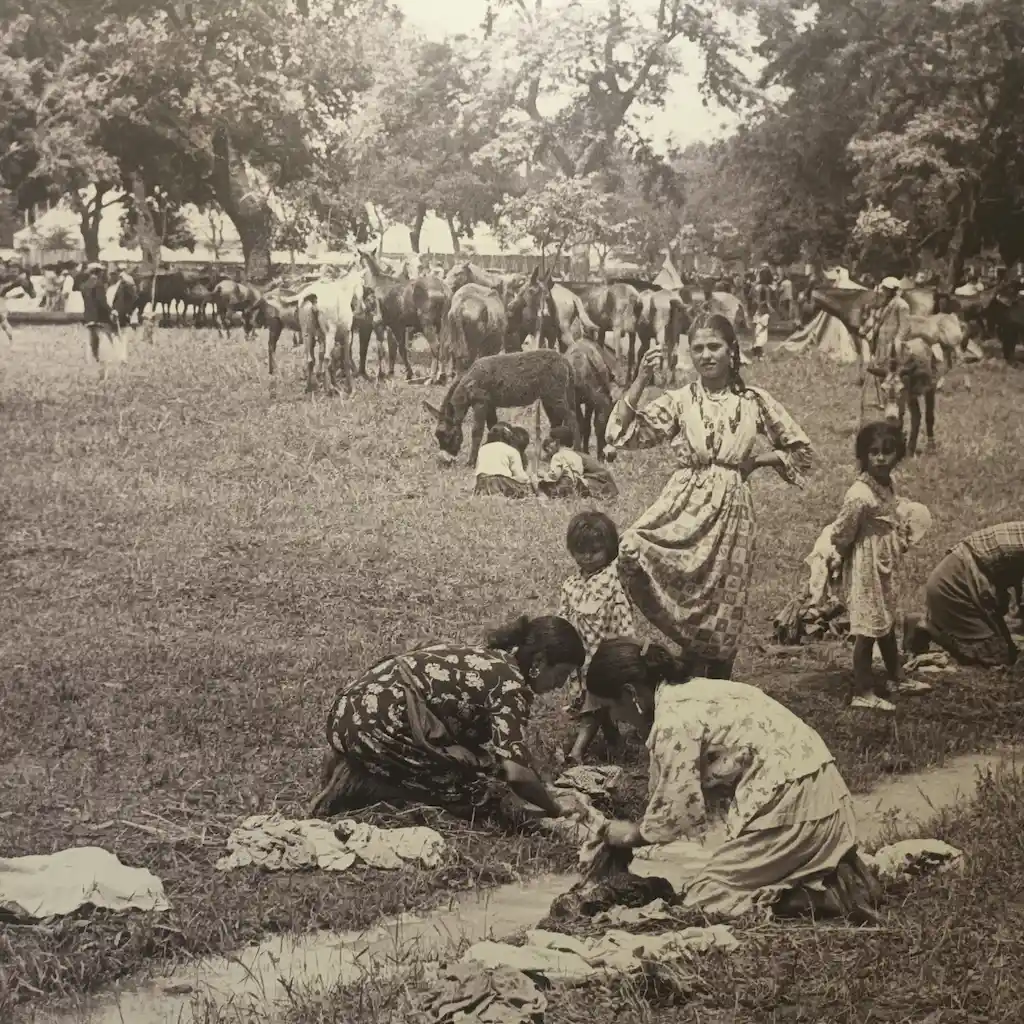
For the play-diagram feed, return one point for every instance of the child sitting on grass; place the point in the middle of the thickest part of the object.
(594, 601)
(565, 476)
(499, 465)
(870, 540)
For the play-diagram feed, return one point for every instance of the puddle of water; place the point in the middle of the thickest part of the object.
(262, 974)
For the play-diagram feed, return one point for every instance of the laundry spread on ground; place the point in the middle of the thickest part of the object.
(473, 994)
(582, 784)
(932, 662)
(913, 858)
(558, 957)
(275, 843)
(56, 884)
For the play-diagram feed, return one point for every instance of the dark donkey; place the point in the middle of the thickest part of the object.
(503, 381)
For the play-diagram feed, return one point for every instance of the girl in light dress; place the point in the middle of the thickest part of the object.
(870, 537)
(499, 465)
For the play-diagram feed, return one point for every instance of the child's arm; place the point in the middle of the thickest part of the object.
(847, 524)
(516, 469)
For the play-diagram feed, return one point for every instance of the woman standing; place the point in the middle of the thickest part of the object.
(686, 561)
(441, 725)
(791, 839)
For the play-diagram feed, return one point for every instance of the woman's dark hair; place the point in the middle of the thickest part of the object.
(563, 435)
(879, 431)
(520, 438)
(501, 431)
(549, 635)
(590, 530)
(723, 327)
(620, 662)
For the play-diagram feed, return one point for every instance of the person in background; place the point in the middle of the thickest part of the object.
(791, 833)
(967, 598)
(594, 601)
(445, 725)
(762, 318)
(565, 475)
(499, 466)
(870, 543)
(96, 312)
(687, 561)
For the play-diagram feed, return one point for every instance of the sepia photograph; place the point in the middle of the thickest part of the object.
(511, 511)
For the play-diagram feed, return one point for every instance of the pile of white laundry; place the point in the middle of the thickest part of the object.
(275, 843)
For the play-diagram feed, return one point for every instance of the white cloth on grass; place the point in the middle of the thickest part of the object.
(55, 884)
(912, 858)
(274, 843)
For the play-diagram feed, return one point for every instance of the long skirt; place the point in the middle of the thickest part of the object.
(501, 486)
(964, 615)
(567, 485)
(687, 561)
(799, 843)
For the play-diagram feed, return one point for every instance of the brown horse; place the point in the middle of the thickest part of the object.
(564, 308)
(527, 309)
(664, 320)
(476, 325)
(505, 284)
(616, 309)
(418, 304)
(593, 371)
(231, 297)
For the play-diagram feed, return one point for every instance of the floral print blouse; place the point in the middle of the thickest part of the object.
(718, 735)
(478, 694)
(597, 606)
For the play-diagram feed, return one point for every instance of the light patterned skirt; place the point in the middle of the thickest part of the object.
(686, 562)
(798, 844)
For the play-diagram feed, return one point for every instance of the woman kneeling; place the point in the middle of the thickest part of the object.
(791, 833)
(442, 724)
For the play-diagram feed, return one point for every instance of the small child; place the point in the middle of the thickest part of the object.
(499, 465)
(869, 538)
(566, 476)
(594, 601)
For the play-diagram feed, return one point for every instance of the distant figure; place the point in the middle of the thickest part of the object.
(96, 309)
(762, 318)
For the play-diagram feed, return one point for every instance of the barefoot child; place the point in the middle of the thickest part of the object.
(594, 601)
(869, 538)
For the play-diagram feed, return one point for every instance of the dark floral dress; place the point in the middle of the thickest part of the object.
(476, 693)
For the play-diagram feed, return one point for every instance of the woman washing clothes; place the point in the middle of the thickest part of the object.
(791, 832)
(687, 560)
(967, 598)
(445, 725)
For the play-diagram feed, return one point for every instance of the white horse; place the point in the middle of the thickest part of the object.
(339, 301)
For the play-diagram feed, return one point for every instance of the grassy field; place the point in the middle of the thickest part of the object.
(191, 567)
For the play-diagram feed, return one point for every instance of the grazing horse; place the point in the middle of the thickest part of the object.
(497, 382)
(230, 297)
(476, 325)
(419, 305)
(166, 289)
(664, 320)
(11, 281)
(913, 374)
(616, 309)
(593, 375)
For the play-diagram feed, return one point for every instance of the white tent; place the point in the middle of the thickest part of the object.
(825, 333)
(667, 277)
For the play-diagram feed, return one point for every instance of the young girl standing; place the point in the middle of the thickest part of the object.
(869, 538)
(594, 601)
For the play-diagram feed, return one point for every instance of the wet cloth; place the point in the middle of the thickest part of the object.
(965, 612)
(598, 608)
(867, 533)
(54, 884)
(470, 993)
(687, 561)
(558, 957)
(436, 723)
(275, 843)
(912, 858)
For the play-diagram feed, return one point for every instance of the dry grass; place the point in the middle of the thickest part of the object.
(192, 567)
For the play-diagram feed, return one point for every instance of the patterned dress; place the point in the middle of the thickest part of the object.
(790, 820)
(598, 608)
(686, 562)
(476, 695)
(868, 534)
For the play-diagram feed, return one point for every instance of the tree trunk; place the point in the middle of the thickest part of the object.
(456, 244)
(249, 212)
(89, 215)
(956, 253)
(417, 228)
(145, 228)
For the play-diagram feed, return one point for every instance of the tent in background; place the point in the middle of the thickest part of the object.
(825, 333)
(668, 278)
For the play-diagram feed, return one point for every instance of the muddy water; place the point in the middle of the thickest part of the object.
(261, 975)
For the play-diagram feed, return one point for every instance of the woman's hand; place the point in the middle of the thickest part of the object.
(650, 365)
